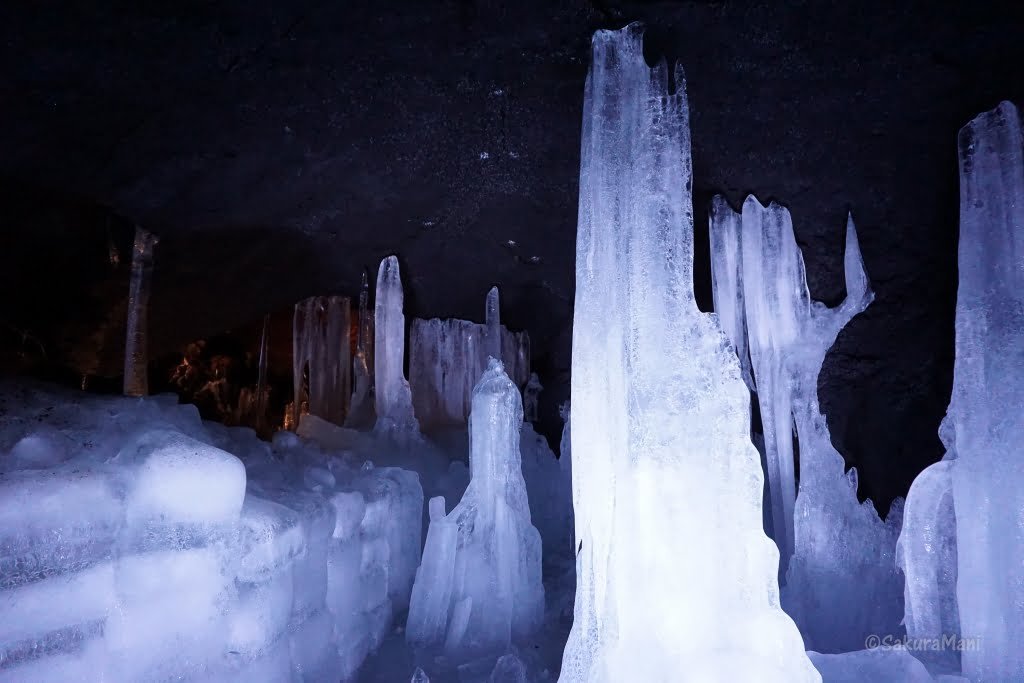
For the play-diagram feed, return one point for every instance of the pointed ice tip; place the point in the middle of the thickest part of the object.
(494, 366)
(857, 287)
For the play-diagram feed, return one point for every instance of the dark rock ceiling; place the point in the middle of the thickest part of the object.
(281, 147)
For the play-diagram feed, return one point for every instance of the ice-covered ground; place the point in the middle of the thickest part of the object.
(139, 543)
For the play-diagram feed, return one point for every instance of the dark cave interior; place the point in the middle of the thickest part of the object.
(280, 149)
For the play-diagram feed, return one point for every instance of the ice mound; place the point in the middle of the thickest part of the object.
(158, 548)
(479, 585)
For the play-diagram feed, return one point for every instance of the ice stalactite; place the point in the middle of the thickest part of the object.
(392, 396)
(361, 408)
(322, 358)
(841, 584)
(984, 425)
(676, 579)
(479, 585)
(136, 349)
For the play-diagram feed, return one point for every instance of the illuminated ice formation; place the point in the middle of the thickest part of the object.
(842, 584)
(479, 585)
(392, 395)
(676, 579)
(448, 357)
(322, 358)
(927, 555)
(138, 543)
(984, 426)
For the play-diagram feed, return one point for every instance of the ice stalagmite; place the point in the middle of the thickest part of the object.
(985, 418)
(321, 357)
(727, 280)
(479, 585)
(676, 580)
(136, 351)
(927, 555)
(842, 584)
(361, 408)
(392, 396)
(492, 318)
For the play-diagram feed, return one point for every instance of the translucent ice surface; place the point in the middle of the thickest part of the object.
(842, 584)
(675, 576)
(978, 489)
(448, 357)
(391, 389)
(322, 357)
(479, 585)
(156, 547)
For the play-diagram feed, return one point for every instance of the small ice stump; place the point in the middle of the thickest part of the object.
(479, 587)
(391, 390)
(508, 669)
(419, 676)
(926, 553)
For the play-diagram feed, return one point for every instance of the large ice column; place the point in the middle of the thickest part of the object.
(479, 585)
(676, 578)
(392, 395)
(322, 357)
(840, 555)
(988, 391)
(361, 408)
(136, 351)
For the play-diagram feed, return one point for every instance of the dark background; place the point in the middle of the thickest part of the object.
(279, 148)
